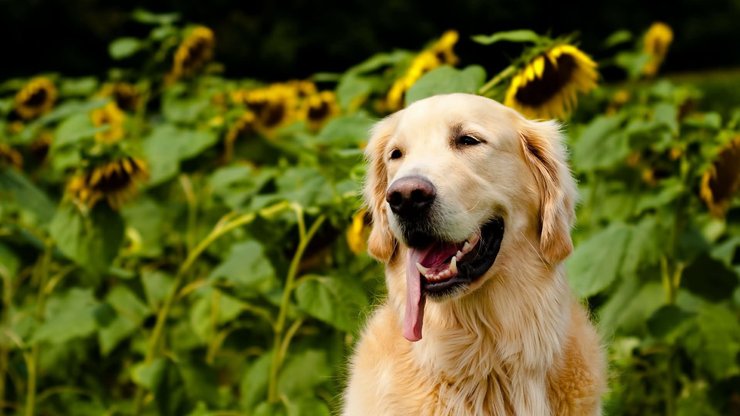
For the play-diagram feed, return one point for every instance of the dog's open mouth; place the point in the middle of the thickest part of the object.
(442, 268)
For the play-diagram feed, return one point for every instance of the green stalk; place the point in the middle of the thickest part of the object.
(4, 323)
(42, 272)
(277, 356)
(218, 231)
(495, 80)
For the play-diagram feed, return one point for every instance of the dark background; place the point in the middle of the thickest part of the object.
(295, 38)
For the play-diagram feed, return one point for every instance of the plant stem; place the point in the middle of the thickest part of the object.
(42, 273)
(277, 357)
(219, 230)
(495, 80)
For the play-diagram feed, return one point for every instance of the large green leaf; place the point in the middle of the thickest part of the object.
(601, 145)
(167, 145)
(253, 385)
(715, 344)
(596, 262)
(245, 271)
(68, 315)
(333, 300)
(25, 195)
(130, 313)
(709, 278)
(520, 36)
(90, 239)
(446, 80)
(235, 184)
(302, 372)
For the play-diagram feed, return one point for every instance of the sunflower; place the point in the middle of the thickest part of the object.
(194, 52)
(440, 53)
(721, 181)
(10, 157)
(274, 105)
(655, 44)
(547, 85)
(302, 88)
(126, 96)
(318, 108)
(35, 98)
(245, 124)
(112, 117)
(115, 181)
(358, 232)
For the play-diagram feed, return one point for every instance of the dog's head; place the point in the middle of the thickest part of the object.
(454, 179)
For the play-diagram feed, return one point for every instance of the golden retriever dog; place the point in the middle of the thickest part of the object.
(472, 207)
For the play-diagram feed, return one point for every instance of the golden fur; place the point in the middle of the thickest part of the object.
(516, 342)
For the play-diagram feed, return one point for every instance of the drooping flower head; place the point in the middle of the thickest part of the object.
(194, 52)
(115, 181)
(656, 41)
(35, 98)
(439, 53)
(318, 108)
(126, 96)
(721, 181)
(111, 118)
(548, 84)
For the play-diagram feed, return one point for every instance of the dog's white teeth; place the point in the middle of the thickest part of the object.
(466, 247)
(453, 266)
(423, 270)
(459, 254)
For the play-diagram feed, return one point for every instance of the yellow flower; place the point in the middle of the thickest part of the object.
(35, 98)
(274, 105)
(547, 86)
(194, 52)
(10, 157)
(126, 95)
(302, 88)
(115, 181)
(358, 232)
(440, 53)
(318, 108)
(656, 42)
(722, 180)
(112, 117)
(246, 124)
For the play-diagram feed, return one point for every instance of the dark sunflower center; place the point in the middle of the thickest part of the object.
(114, 181)
(37, 98)
(272, 114)
(727, 180)
(318, 112)
(196, 54)
(554, 77)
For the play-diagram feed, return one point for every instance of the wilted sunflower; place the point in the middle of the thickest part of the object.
(656, 42)
(194, 52)
(722, 180)
(126, 96)
(548, 84)
(302, 88)
(35, 98)
(358, 232)
(440, 53)
(10, 157)
(112, 117)
(245, 124)
(114, 181)
(274, 105)
(318, 108)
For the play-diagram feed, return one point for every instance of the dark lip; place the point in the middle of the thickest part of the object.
(471, 269)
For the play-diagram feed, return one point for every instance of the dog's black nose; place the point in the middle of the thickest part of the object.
(410, 196)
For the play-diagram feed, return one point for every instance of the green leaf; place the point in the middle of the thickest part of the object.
(519, 36)
(667, 320)
(201, 382)
(236, 184)
(601, 145)
(715, 344)
(168, 145)
(304, 185)
(303, 372)
(307, 406)
(253, 385)
(91, 240)
(446, 80)
(9, 263)
(709, 278)
(157, 284)
(124, 47)
(149, 375)
(630, 305)
(333, 300)
(246, 271)
(69, 315)
(346, 131)
(145, 221)
(352, 91)
(147, 17)
(647, 242)
(25, 195)
(617, 38)
(596, 262)
(73, 130)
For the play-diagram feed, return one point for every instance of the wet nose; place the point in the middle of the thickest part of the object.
(409, 196)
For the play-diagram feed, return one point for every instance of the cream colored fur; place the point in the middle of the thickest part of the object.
(516, 342)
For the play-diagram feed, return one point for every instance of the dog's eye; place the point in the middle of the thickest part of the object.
(396, 154)
(467, 140)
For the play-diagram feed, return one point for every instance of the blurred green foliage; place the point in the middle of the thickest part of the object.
(176, 242)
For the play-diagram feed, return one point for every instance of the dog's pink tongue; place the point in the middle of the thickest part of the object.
(414, 318)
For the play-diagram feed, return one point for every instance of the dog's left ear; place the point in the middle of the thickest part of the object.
(543, 147)
(381, 244)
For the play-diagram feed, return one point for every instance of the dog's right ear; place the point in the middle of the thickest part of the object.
(381, 243)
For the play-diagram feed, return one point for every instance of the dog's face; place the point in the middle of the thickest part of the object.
(456, 178)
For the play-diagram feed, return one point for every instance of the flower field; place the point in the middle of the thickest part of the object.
(176, 242)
